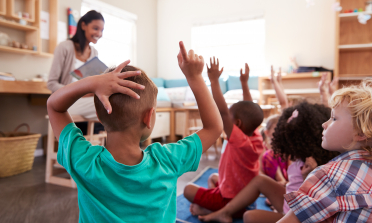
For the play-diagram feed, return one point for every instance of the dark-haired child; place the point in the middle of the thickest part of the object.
(239, 162)
(297, 138)
(341, 190)
(271, 164)
(122, 183)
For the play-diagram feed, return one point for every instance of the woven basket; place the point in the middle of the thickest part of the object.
(17, 151)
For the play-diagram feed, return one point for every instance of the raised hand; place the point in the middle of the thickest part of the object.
(114, 82)
(323, 84)
(244, 76)
(332, 87)
(190, 63)
(214, 71)
(279, 77)
(272, 75)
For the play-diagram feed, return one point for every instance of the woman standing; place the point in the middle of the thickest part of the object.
(72, 54)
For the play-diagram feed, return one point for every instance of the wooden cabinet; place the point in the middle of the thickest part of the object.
(31, 32)
(353, 50)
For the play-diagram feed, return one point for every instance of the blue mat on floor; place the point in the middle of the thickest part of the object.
(183, 205)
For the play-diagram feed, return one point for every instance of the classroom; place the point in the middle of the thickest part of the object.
(253, 111)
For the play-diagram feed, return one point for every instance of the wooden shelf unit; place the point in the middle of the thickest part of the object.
(32, 31)
(29, 7)
(353, 49)
(302, 84)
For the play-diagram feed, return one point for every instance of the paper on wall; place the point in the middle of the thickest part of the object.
(62, 32)
(44, 25)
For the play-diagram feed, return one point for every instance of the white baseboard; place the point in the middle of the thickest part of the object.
(39, 152)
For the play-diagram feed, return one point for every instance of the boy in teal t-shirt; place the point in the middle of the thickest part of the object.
(120, 182)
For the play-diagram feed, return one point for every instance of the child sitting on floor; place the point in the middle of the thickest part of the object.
(271, 164)
(122, 183)
(239, 161)
(341, 190)
(297, 138)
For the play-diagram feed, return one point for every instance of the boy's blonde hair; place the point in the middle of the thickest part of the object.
(359, 98)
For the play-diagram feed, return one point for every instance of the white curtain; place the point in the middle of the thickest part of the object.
(234, 43)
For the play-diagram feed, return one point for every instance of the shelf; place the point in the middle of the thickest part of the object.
(43, 54)
(316, 74)
(351, 16)
(23, 87)
(16, 50)
(353, 78)
(355, 47)
(293, 91)
(18, 26)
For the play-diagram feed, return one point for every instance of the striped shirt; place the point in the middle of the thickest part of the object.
(339, 191)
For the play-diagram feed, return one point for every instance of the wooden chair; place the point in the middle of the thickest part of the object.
(53, 169)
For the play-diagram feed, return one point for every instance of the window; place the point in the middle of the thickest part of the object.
(118, 42)
(234, 43)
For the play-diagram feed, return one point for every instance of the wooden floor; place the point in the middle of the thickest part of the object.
(26, 198)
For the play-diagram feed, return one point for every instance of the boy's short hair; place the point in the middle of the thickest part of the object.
(127, 111)
(359, 98)
(250, 114)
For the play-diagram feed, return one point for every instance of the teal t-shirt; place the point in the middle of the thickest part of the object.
(109, 191)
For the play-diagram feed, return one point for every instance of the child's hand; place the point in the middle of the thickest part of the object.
(244, 76)
(310, 165)
(214, 71)
(272, 77)
(332, 87)
(322, 85)
(191, 64)
(279, 77)
(114, 82)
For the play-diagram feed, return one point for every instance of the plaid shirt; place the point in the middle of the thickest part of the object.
(339, 191)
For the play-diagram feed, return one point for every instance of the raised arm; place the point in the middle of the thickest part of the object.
(278, 87)
(192, 66)
(214, 73)
(244, 77)
(323, 89)
(102, 85)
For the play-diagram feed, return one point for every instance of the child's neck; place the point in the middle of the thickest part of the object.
(124, 147)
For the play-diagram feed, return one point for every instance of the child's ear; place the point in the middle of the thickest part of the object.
(360, 137)
(147, 118)
(238, 123)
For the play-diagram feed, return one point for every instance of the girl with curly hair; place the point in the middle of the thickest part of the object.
(297, 138)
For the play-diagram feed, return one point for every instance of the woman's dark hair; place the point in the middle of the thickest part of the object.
(302, 136)
(79, 36)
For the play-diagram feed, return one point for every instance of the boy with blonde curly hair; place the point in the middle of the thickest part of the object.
(341, 190)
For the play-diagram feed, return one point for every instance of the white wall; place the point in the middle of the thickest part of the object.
(292, 29)
(16, 109)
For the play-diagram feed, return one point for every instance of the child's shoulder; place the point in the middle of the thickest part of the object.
(241, 135)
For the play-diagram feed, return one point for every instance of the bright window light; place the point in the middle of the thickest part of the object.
(234, 43)
(118, 42)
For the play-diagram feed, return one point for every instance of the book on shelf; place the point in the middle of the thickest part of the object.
(92, 67)
(6, 76)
